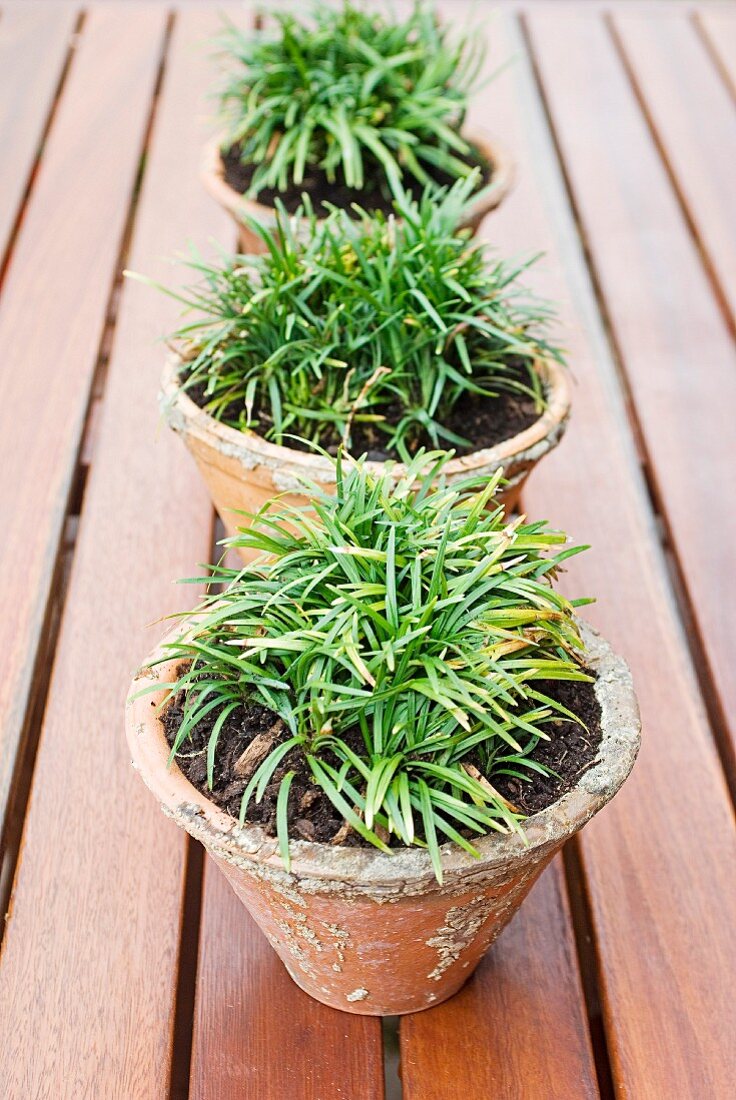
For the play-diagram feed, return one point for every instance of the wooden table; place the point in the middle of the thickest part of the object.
(128, 969)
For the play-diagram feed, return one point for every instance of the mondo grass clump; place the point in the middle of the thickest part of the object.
(366, 328)
(364, 96)
(402, 632)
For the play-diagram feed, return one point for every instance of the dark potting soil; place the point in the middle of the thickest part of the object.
(311, 816)
(569, 752)
(483, 421)
(374, 196)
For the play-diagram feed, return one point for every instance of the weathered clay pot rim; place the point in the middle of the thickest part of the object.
(249, 448)
(502, 175)
(406, 867)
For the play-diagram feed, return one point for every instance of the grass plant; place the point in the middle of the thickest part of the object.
(354, 324)
(361, 94)
(410, 618)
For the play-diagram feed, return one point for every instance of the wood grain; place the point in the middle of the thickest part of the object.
(52, 313)
(88, 971)
(256, 1033)
(695, 124)
(89, 965)
(678, 355)
(502, 1045)
(517, 1029)
(658, 879)
(34, 40)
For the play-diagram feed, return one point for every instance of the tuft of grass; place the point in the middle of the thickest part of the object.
(412, 613)
(357, 93)
(372, 322)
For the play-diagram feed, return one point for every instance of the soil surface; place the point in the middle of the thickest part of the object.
(374, 196)
(570, 751)
(483, 421)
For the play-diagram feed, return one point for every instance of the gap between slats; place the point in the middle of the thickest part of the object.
(43, 661)
(676, 573)
(705, 673)
(585, 946)
(186, 989)
(689, 215)
(576, 878)
(7, 252)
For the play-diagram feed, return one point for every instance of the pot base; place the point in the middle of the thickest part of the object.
(376, 934)
(362, 1009)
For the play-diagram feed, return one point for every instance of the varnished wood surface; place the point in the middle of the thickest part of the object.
(256, 1034)
(650, 878)
(691, 115)
(591, 486)
(52, 313)
(622, 129)
(675, 347)
(518, 1028)
(89, 966)
(34, 43)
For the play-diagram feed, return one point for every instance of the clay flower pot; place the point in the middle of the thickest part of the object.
(236, 204)
(376, 934)
(243, 471)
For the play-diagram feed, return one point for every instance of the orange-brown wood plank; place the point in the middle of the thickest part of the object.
(674, 343)
(502, 1044)
(34, 40)
(718, 27)
(692, 114)
(517, 1029)
(89, 964)
(659, 883)
(52, 312)
(662, 944)
(256, 1034)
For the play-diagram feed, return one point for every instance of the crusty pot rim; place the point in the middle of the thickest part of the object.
(368, 867)
(502, 176)
(249, 448)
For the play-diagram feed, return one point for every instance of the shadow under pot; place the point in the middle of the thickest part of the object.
(372, 933)
(243, 471)
(495, 187)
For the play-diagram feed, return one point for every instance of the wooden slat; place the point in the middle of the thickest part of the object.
(89, 965)
(718, 26)
(256, 1034)
(693, 116)
(662, 943)
(517, 1028)
(500, 1022)
(675, 346)
(34, 40)
(658, 861)
(52, 312)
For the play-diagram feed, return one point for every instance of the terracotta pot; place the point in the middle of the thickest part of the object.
(243, 471)
(376, 934)
(213, 175)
